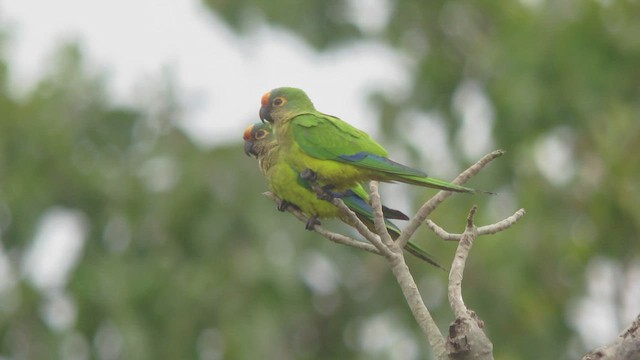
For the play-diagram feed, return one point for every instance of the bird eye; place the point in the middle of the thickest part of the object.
(279, 101)
(261, 134)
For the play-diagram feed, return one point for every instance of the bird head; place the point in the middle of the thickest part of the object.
(284, 103)
(248, 141)
(255, 136)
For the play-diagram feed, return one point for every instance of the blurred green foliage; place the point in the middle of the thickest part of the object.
(185, 259)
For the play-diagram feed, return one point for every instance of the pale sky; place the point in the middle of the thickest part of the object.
(220, 78)
(220, 75)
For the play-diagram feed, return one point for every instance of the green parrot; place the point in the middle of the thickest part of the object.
(324, 148)
(293, 190)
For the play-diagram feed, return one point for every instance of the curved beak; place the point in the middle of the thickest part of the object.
(265, 114)
(265, 109)
(248, 148)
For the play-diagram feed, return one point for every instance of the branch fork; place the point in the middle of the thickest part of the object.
(466, 338)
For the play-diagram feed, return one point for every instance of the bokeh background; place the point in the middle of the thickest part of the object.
(133, 225)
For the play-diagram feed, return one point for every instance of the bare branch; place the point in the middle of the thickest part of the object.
(466, 338)
(479, 165)
(442, 232)
(345, 240)
(625, 347)
(378, 218)
(352, 219)
(442, 195)
(416, 304)
(407, 284)
(457, 268)
(501, 225)
(483, 230)
(335, 237)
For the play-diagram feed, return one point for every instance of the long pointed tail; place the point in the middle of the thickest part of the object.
(436, 184)
(420, 253)
(411, 247)
(365, 214)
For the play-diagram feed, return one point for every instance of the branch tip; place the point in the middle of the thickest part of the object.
(472, 213)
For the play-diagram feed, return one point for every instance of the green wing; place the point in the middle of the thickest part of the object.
(326, 137)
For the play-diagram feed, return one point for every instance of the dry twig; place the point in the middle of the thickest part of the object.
(625, 347)
(466, 337)
(442, 195)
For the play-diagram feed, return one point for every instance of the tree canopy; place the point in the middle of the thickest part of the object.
(183, 258)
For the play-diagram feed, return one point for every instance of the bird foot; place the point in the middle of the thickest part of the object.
(328, 195)
(283, 205)
(312, 222)
(323, 192)
(309, 175)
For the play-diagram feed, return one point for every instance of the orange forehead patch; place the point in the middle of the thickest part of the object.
(265, 99)
(247, 133)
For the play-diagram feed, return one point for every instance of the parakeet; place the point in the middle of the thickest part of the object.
(334, 152)
(288, 185)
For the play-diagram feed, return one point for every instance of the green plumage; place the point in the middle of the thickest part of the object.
(287, 184)
(340, 154)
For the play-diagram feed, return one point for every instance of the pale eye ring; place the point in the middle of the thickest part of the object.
(261, 134)
(278, 101)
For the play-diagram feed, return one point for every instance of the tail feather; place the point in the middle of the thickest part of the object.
(390, 213)
(385, 169)
(411, 247)
(418, 252)
(436, 184)
(364, 212)
(415, 250)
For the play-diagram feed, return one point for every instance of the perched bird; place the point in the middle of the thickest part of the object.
(293, 190)
(324, 148)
